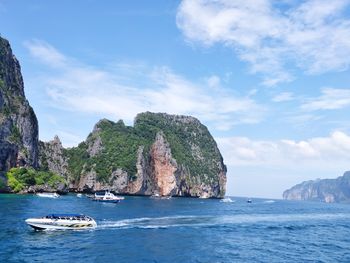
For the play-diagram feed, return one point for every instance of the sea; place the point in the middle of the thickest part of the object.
(142, 229)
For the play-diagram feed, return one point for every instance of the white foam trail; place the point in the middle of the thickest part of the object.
(227, 200)
(205, 221)
(269, 201)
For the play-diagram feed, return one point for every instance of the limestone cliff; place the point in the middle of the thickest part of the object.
(52, 157)
(161, 154)
(326, 190)
(18, 123)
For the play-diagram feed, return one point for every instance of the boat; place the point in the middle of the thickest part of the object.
(249, 201)
(48, 195)
(62, 222)
(163, 197)
(79, 195)
(106, 197)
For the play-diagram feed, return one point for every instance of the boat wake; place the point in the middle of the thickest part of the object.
(209, 221)
(227, 200)
(269, 201)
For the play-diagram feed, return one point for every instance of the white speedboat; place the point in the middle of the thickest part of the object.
(163, 197)
(48, 195)
(107, 197)
(79, 195)
(61, 222)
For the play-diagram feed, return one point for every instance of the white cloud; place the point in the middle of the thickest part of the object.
(214, 81)
(125, 90)
(331, 99)
(302, 120)
(46, 53)
(313, 34)
(284, 96)
(316, 152)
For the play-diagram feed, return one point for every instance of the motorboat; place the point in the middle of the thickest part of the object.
(61, 222)
(249, 201)
(79, 195)
(157, 196)
(107, 197)
(48, 195)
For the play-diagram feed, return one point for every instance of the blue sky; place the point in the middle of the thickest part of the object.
(270, 79)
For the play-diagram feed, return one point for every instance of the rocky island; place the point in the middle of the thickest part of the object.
(325, 190)
(160, 154)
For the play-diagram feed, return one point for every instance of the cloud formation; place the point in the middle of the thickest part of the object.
(124, 90)
(284, 96)
(321, 152)
(270, 35)
(331, 99)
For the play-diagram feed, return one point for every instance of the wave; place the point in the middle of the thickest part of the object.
(227, 200)
(269, 201)
(208, 221)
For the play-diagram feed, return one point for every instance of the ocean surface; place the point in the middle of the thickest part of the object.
(141, 229)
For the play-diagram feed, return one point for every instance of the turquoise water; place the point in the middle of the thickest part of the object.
(141, 229)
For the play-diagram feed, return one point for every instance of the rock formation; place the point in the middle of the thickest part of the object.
(18, 123)
(162, 154)
(326, 190)
(52, 157)
(163, 166)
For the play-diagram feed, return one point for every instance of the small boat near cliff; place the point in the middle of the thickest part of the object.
(62, 222)
(158, 196)
(48, 195)
(106, 197)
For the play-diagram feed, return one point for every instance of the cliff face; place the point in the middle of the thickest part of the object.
(18, 123)
(52, 158)
(162, 154)
(326, 190)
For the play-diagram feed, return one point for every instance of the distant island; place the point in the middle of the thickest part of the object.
(160, 154)
(326, 190)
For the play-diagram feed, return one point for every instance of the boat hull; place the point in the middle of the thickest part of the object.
(48, 195)
(106, 201)
(48, 224)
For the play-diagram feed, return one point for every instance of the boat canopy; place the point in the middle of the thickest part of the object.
(58, 216)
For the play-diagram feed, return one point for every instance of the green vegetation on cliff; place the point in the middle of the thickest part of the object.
(325, 190)
(20, 178)
(191, 145)
(118, 150)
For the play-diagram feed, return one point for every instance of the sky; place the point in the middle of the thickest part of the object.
(270, 79)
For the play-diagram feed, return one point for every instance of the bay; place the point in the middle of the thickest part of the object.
(142, 229)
